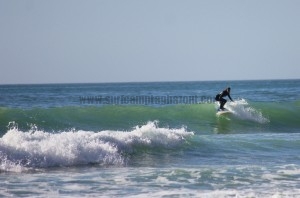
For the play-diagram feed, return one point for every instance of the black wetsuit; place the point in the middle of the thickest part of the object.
(219, 97)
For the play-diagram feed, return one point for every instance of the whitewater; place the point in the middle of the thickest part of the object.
(54, 144)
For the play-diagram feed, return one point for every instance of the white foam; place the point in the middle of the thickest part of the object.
(36, 149)
(243, 110)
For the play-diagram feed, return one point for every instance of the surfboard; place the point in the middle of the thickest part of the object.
(221, 112)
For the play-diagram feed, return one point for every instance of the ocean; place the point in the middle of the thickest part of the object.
(156, 139)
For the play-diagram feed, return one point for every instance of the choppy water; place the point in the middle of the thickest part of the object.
(150, 139)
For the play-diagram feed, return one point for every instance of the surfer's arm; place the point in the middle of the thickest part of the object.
(230, 97)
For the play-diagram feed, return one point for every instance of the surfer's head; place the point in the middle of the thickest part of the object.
(228, 89)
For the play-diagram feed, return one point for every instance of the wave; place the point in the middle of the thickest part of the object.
(246, 117)
(22, 151)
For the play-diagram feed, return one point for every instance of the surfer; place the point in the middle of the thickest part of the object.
(219, 97)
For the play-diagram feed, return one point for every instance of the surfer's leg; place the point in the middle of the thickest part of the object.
(222, 103)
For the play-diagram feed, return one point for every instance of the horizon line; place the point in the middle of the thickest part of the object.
(167, 81)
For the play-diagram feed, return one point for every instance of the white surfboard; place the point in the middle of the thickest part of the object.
(224, 111)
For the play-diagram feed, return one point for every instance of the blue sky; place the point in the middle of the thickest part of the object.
(73, 41)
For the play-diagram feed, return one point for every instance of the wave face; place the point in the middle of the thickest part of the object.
(68, 136)
(201, 118)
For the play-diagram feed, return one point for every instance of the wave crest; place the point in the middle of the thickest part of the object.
(38, 149)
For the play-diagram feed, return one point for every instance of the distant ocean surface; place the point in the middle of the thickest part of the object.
(160, 139)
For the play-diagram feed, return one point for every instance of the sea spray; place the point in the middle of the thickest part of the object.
(242, 109)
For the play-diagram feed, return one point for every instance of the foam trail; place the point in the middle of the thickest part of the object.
(244, 111)
(38, 149)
